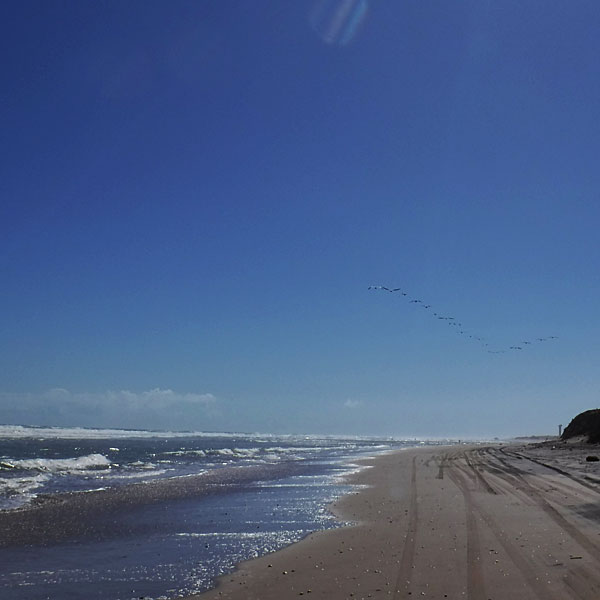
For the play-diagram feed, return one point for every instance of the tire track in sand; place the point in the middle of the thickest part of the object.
(475, 581)
(520, 479)
(518, 558)
(407, 560)
(578, 480)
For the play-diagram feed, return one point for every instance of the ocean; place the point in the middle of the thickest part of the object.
(117, 515)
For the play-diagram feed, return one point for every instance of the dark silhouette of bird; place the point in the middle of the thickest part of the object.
(461, 329)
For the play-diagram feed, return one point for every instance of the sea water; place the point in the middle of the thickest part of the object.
(172, 547)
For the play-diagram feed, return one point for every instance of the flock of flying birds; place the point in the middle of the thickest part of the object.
(459, 327)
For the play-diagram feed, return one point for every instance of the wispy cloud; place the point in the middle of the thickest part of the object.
(156, 408)
(350, 403)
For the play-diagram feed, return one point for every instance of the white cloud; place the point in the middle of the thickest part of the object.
(152, 409)
(155, 398)
(350, 403)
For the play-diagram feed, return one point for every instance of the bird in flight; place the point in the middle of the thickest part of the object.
(460, 328)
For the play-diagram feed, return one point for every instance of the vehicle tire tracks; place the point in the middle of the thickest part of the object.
(475, 578)
(572, 530)
(407, 559)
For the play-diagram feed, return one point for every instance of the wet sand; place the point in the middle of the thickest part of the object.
(477, 522)
(98, 515)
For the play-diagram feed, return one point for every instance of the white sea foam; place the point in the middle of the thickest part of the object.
(18, 491)
(53, 465)
(263, 453)
(271, 457)
(83, 433)
(271, 453)
(245, 534)
(22, 485)
(22, 431)
(112, 476)
(138, 464)
(185, 453)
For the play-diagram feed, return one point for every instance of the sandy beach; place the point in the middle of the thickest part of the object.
(478, 522)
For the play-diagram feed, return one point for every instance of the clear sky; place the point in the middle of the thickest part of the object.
(195, 197)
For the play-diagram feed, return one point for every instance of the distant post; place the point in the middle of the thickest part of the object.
(559, 430)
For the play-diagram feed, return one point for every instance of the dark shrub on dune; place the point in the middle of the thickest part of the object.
(584, 424)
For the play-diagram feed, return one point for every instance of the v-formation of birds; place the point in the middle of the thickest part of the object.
(459, 327)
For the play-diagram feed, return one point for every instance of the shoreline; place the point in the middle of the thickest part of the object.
(69, 516)
(472, 521)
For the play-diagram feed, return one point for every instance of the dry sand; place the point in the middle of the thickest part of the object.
(477, 522)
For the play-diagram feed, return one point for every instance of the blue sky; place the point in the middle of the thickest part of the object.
(197, 195)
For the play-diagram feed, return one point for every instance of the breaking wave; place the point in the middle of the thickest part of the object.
(54, 465)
